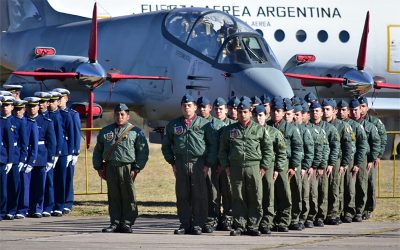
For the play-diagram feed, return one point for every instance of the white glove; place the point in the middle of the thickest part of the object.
(74, 160)
(49, 166)
(55, 161)
(28, 169)
(8, 167)
(69, 160)
(20, 166)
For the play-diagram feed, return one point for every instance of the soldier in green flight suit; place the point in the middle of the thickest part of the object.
(190, 146)
(306, 163)
(295, 155)
(374, 142)
(246, 152)
(280, 167)
(335, 189)
(371, 198)
(331, 152)
(126, 160)
(320, 143)
(360, 148)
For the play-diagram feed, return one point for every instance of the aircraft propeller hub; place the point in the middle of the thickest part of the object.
(91, 75)
(358, 82)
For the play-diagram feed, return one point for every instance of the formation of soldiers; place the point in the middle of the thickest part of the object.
(263, 165)
(40, 147)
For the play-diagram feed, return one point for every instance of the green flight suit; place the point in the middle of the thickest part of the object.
(306, 163)
(280, 166)
(218, 184)
(360, 148)
(371, 195)
(295, 155)
(374, 142)
(131, 154)
(190, 149)
(336, 180)
(320, 142)
(244, 150)
(331, 152)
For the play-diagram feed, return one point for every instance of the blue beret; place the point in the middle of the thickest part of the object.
(245, 104)
(259, 109)
(342, 104)
(203, 101)
(297, 108)
(265, 99)
(362, 100)
(187, 98)
(288, 106)
(278, 104)
(233, 102)
(305, 107)
(255, 100)
(121, 107)
(277, 99)
(315, 105)
(32, 101)
(310, 97)
(219, 101)
(354, 103)
(296, 100)
(329, 102)
(243, 98)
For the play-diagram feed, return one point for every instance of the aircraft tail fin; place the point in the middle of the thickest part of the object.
(19, 15)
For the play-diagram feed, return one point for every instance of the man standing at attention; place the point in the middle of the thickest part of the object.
(189, 145)
(124, 147)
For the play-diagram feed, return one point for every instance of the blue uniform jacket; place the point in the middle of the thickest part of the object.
(47, 140)
(7, 141)
(55, 116)
(18, 128)
(76, 120)
(68, 133)
(33, 139)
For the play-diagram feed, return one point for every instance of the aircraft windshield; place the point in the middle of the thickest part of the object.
(204, 32)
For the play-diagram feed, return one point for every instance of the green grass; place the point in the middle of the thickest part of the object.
(155, 190)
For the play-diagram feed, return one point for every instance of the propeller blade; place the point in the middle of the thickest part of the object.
(113, 77)
(47, 75)
(92, 54)
(382, 85)
(362, 53)
(322, 79)
(89, 123)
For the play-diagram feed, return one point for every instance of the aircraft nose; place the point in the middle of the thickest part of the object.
(259, 81)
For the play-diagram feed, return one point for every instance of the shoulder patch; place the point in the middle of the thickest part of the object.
(233, 133)
(178, 130)
(348, 129)
(109, 136)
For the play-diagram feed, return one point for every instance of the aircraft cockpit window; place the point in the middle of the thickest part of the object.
(254, 49)
(234, 53)
(202, 31)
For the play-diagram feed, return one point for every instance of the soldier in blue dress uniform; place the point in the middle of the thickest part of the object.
(43, 103)
(76, 135)
(14, 89)
(45, 157)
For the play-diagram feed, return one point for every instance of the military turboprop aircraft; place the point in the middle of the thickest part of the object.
(196, 50)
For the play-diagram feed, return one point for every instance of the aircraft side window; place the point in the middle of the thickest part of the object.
(279, 35)
(344, 36)
(322, 36)
(301, 35)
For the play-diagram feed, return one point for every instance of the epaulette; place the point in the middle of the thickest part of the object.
(4, 118)
(46, 118)
(30, 119)
(64, 110)
(73, 110)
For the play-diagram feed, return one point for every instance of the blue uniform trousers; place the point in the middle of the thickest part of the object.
(60, 174)
(49, 192)
(3, 190)
(24, 187)
(13, 190)
(69, 186)
(36, 194)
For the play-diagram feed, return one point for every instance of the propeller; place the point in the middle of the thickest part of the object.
(357, 82)
(92, 80)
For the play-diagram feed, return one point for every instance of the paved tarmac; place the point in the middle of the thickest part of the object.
(70, 232)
